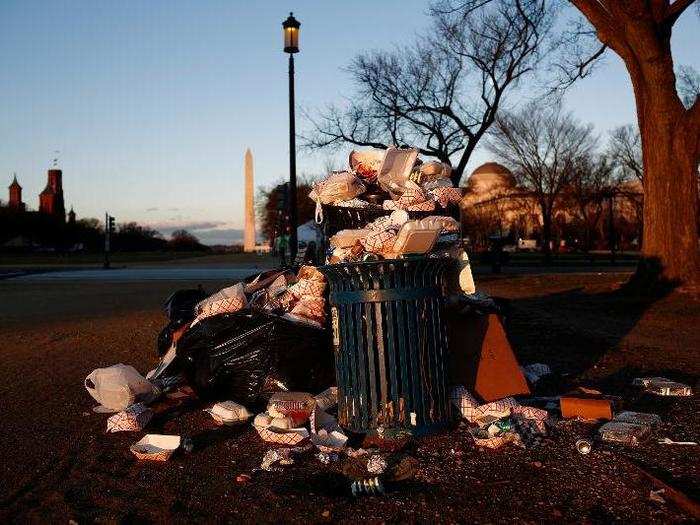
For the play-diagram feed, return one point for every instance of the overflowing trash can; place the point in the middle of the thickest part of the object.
(390, 342)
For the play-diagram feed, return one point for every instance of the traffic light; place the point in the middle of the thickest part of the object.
(110, 224)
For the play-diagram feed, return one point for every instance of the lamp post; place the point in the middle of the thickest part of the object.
(290, 29)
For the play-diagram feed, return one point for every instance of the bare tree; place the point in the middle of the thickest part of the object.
(639, 32)
(593, 178)
(688, 84)
(442, 93)
(625, 149)
(542, 146)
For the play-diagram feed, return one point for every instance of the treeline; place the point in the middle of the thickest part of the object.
(32, 231)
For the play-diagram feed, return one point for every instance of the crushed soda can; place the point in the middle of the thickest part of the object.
(624, 433)
(663, 386)
(638, 418)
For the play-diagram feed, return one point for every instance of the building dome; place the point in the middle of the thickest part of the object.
(489, 177)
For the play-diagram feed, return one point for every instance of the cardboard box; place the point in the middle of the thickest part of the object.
(586, 406)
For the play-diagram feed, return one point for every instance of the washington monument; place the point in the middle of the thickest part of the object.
(249, 232)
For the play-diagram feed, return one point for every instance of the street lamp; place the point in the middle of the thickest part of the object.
(290, 30)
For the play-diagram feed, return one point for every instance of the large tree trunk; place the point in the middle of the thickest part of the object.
(669, 151)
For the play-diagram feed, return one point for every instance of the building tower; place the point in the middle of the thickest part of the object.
(15, 201)
(249, 232)
(51, 199)
(71, 216)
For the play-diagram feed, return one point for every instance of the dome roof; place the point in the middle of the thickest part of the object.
(492, 168)
(491, 175)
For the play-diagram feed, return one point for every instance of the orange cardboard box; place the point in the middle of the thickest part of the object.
(482, 359)
(586, 406)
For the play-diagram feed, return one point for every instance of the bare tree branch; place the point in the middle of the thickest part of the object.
(442, 93)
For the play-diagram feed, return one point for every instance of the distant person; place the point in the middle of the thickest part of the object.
(282, 245)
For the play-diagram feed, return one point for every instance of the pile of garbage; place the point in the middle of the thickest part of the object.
(391, 179)
(383, 181)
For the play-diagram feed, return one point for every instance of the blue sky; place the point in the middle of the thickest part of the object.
(152, 103)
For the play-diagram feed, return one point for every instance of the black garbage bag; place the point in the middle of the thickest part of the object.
(229, 356)
(179, 308)
(180, 305)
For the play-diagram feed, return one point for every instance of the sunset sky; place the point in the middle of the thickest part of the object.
(152, 103)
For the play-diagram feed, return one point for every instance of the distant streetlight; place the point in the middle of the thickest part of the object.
(290, 30)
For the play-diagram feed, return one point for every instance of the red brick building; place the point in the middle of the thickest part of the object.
(51, 199)
(15, 201)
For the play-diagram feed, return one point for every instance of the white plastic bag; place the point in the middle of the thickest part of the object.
(118, 387)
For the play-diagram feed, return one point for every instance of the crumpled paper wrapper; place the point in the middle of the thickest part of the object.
(379, 241)
(446, 196)
(290, 437)
(307, 287)
(133, 419)
(473, 412)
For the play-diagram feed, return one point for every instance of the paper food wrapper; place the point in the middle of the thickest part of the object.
(226, 300)
(446, 196)
(155, 447)
(290, 437)
(473, 412)
(379, 241)
(133, 419)
(482, 438)
(307, 287)
(298, 405)
(228, 413)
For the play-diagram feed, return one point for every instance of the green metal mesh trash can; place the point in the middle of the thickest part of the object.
(390, 342)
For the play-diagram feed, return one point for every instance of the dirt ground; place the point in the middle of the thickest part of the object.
(57, 464)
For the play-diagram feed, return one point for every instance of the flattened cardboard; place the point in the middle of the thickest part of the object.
(586, 406)
(482, 359)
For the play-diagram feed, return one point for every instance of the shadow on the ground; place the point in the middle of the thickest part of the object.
(583, 334)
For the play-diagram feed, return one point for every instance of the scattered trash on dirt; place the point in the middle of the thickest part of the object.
(584, 446)
(133, 419)
(155, 447)
(668, 441)
(586, 404)
(229, 413)
(663, 386)
(624, 433)
(367, 487)
(119, 386)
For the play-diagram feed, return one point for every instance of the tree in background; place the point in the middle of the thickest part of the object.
(272, 207)
(442, 93)
(132, 237)
(639, 32)
(625, 149)
(184, 241)
(592, 182)
(542, 146)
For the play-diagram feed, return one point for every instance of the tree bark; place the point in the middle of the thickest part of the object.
(670, 156)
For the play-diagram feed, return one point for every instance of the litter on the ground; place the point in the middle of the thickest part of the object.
(155, 447)
(133, 419)
(663, 387)
(624, 433)
(638, 418)
(119, 386)
(229, 413)
(669, 441)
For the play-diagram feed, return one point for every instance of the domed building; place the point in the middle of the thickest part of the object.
(494, 205)
(489, 179)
